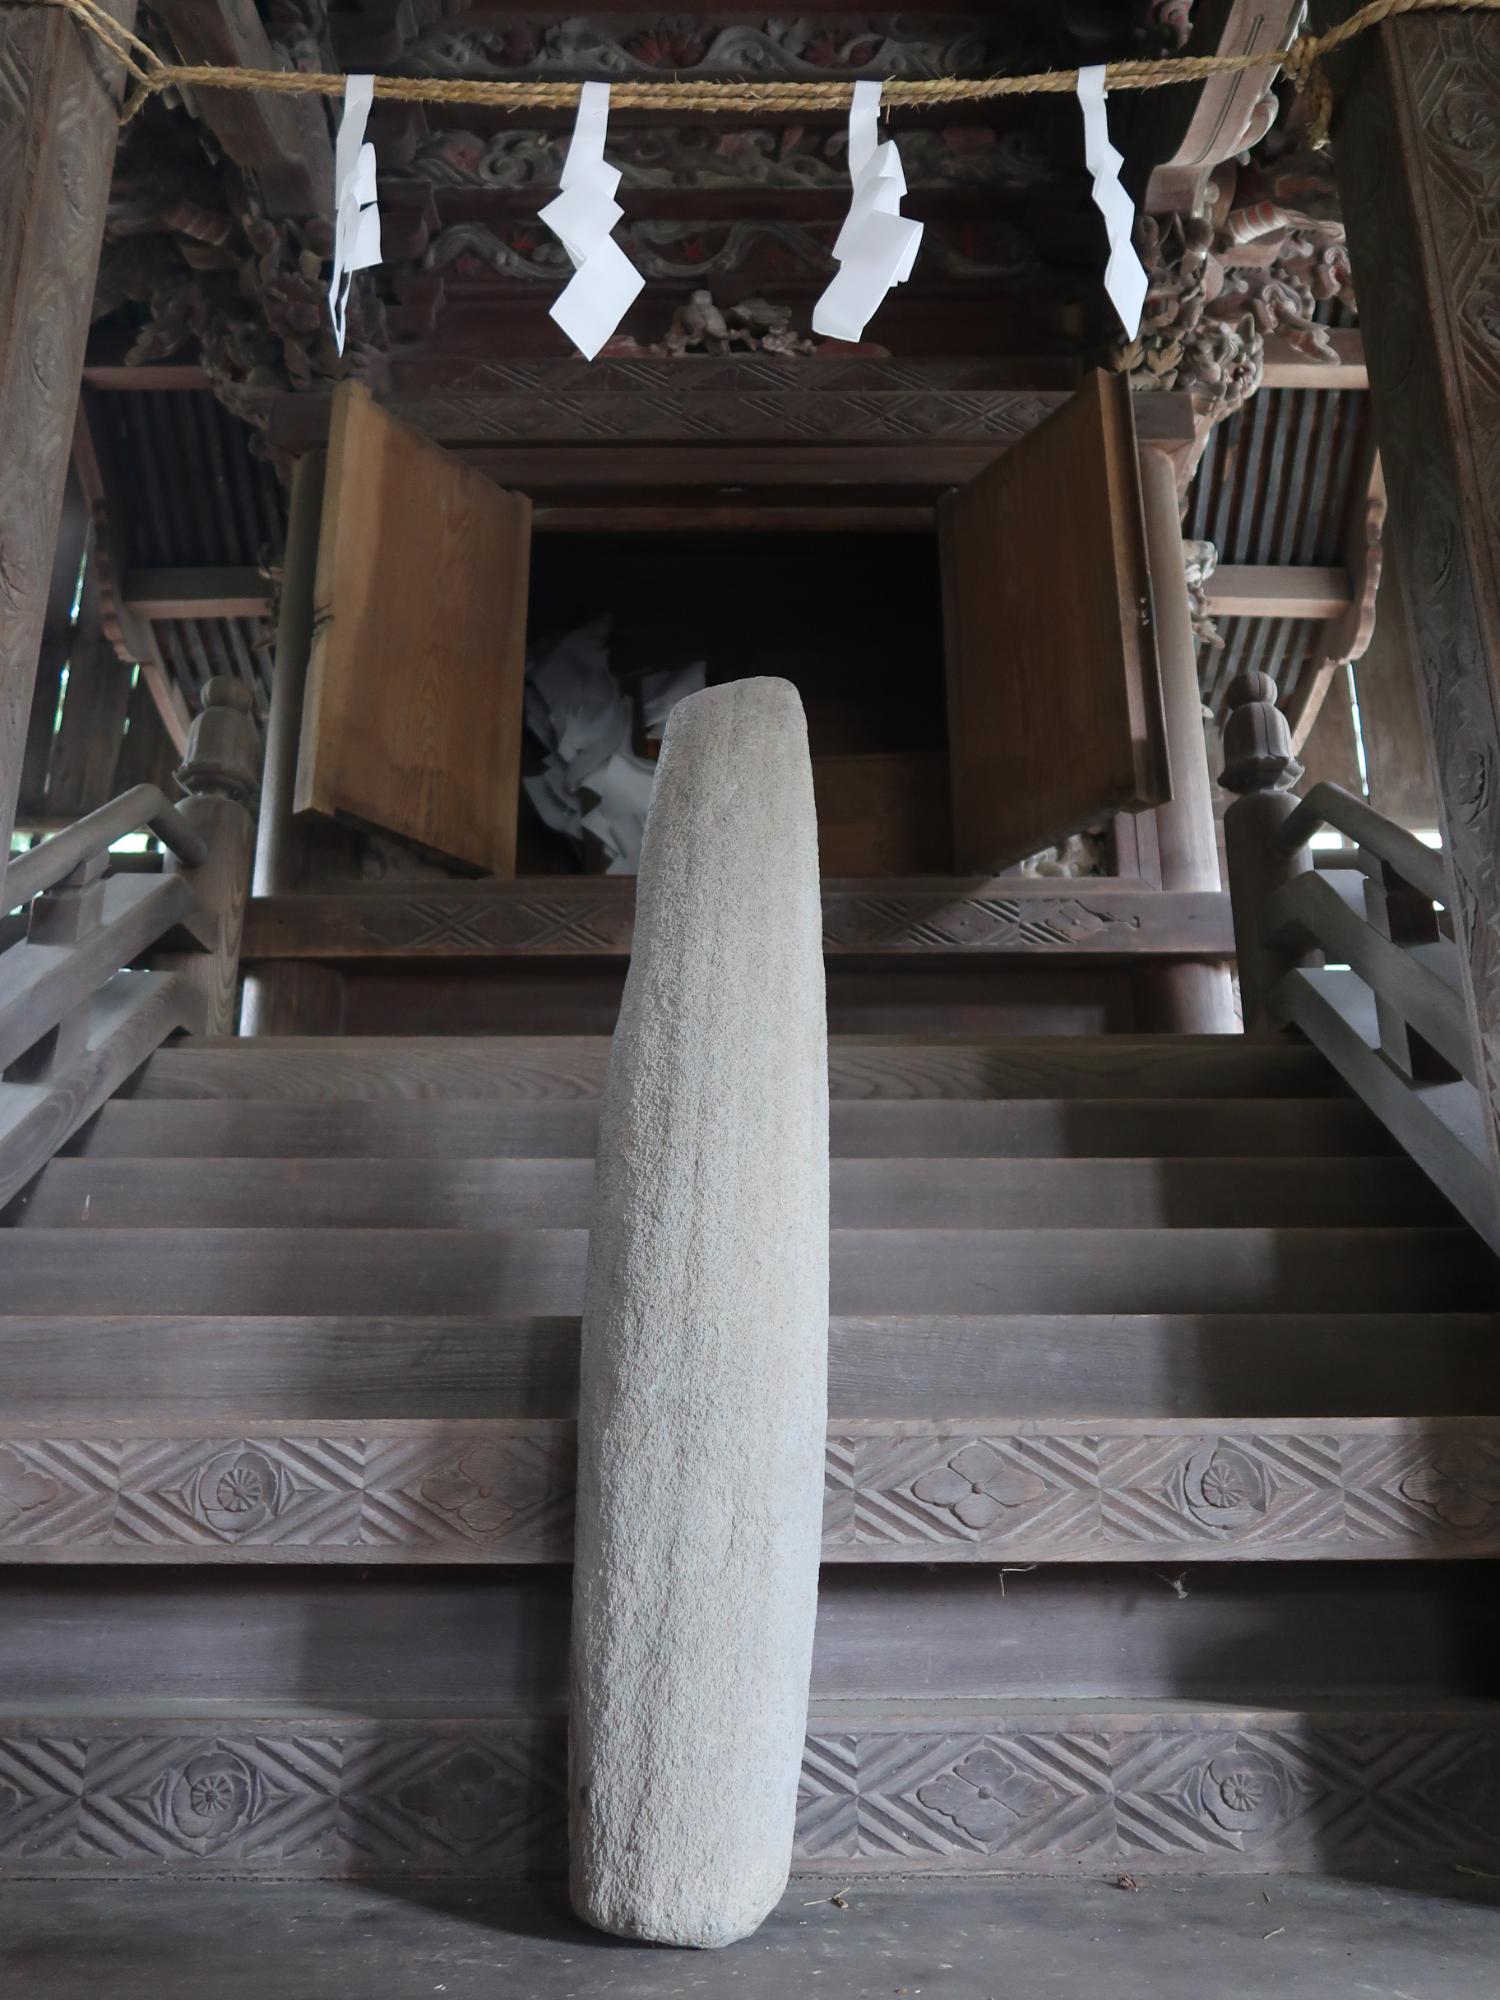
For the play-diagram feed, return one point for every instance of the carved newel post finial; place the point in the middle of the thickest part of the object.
(1258, 754)
(222, 759)
(1261, 767)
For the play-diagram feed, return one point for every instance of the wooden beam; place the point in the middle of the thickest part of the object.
(228, 591)
(593, 916)
(59, 114)
(132, 636)
(1289, 367)
(1346, 635)
(282, 140)
(1274, 590)
(1419, 205)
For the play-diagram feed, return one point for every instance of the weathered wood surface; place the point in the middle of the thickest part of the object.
(593, 916)
(40, 983)
(1054, 696)
(132, 1015)
(1148, 1788)
(1119, 1128)
(1275, 590)
(410, 1491)
(1417, 156)
(59, 98)
(282, 139)
(371, 1271)
(1192, 1366)
(489, 1640)
(222, 591)
(927, 1193)
(411, 719)
(540, 1067)
(1441, 1125)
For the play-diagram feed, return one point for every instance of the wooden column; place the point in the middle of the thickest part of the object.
(291, 998)
(219, 775)
(1417, 156)
(59, 117)
(1180, 996)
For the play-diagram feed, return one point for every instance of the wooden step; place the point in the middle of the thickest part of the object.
(145, 1490)
(1189, 1366)
(945, 1788)
(478, 1641)
(524, 1067)
(1091, 1128)
(880, 1271)
(177, 1939)
(865, 1194)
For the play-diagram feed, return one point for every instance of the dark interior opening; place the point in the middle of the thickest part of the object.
(854, 621)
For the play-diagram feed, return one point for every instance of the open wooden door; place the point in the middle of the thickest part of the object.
(1054, 695)
(415, 677)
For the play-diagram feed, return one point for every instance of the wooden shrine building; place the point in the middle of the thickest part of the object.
(1153, 695)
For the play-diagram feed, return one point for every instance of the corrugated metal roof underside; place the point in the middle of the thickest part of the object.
(1273, 486)
(197, 497)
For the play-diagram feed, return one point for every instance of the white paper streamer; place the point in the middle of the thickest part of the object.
(356, 225)
(1124, 274)
(604, 282)
(877, 245)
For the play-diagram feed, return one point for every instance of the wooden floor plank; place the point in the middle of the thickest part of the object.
(523, 1067)
(1189, 1366)
(1019, 1127)
(958, 1489)
(939, 1193)
(880, 1271)
(176, 1940)
(473, 1641)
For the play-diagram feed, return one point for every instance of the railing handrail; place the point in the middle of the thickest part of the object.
(142, 807)
(1364, 971)
(1328, 804)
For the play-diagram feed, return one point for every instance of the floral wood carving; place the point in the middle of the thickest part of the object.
(1261, 262)
(887, 46)
(1089, 1792)
(700, 157)
(456, 1493)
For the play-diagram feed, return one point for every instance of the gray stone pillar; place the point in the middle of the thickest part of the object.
(703, 1398)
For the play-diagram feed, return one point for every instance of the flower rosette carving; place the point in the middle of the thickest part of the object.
(977, 1486)
(466, 1800)
(238, 1491)
(1244, 1792)
(1223, 1487)
(486, 1488)
(988, 1797)
(22, 1488)
(1461, 1486)
(210, 1800)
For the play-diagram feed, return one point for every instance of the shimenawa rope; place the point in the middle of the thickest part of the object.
(1302, 61)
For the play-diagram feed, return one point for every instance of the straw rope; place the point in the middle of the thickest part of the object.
(1302, 60)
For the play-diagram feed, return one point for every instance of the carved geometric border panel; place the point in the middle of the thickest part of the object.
(598, 918)
(502, 1491)
(1078, 1792)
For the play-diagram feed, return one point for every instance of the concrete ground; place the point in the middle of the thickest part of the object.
(1271, 1938)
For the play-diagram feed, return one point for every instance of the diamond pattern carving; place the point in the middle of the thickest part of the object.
(1089, 1791)
(503, 1491)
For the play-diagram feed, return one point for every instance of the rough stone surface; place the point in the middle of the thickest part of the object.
(703, 1395)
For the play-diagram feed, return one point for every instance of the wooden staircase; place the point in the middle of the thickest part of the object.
(287, 1371)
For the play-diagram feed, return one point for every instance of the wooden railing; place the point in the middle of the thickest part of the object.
(73, 1024)
(1352, 946)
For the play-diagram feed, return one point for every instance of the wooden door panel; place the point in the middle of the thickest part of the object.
(1054, 695)
(415, 677)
